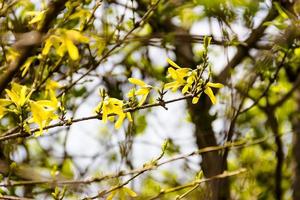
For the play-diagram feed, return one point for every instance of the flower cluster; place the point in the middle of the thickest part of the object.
(143, 91)
(191, 82)
(188, 80)
(112, 107)
(19, 103)
(42, 112)
(63, 41)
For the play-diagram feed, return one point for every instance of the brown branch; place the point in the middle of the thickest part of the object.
(13, 133)
(6, 197)
(250, 42)
(117, 45)
(296, 86)
(274, 125)
(272, 80)
(24, 47)
(146, 167)
(197, 183)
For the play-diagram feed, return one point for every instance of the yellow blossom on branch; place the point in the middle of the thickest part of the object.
(3, 104)
(189, 79)
(64, 41)
(18, 94)
(143, 91)
(208, 91)
(123, 193)
(111, 107)
(43, 112)
(178, 75)
(51, 86)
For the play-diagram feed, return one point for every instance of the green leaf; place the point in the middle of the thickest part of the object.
(207, 41)
(67, 168)
(141, 124)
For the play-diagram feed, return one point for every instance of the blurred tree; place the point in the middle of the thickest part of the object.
(66, 62)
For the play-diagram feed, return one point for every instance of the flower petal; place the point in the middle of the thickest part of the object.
(120, 120)
(172, 73)
(131, 93)
(137, 82)
(72, 49)
(129, 116)
(171, 62)
(143, 99)
(210, 94)
(185, 89)
(215, 85)
(47, 47)
(170, 85)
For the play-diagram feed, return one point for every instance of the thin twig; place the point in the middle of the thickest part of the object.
(196, 183)
(146, 167)
(14, 134)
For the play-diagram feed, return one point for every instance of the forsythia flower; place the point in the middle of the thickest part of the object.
(113, 106)
(123, 193)
(208, 91)
(186, 78)
(18, 94)
(178, 75)
(12, 55)
(51, 86)
(38, 16)
(143, 91)
(3, 103)
(64, 41)
(43, 112)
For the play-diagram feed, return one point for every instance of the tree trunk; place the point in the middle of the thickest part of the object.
(296, 150)
(211, 163)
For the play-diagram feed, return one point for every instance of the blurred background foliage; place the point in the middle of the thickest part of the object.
(254, 52)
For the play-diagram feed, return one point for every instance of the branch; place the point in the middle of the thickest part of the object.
(14, 198)
(272, 80)
(26, 48)
(242, 50)
(146, 167)
(13, 133)
(288, 94)
(197, 183)
(118, 44)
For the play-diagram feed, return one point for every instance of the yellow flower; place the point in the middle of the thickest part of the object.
(186, 78)
(178, 75)
(38, 16)
(26, 65)
(113, 106)
(143, 91)
(51, 86)
(3, 104)
(208, 91)
(122, 193)
(18, 94)
(63, 41)
(189, 82)
(43, 112)
(12, 54)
